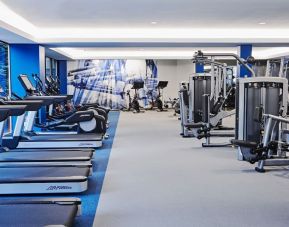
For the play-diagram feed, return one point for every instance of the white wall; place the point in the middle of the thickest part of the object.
(185, 68)
(72, 65)
(174, 71)
(167, 70)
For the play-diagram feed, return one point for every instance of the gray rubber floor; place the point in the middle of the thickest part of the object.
(156, 178)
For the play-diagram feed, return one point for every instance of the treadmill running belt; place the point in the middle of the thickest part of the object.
(37, 215)
(42, 174)
(45, 156)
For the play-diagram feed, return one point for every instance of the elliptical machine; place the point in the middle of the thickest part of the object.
(159, 102)
(84, 121)
(62, 110)
(134, 103)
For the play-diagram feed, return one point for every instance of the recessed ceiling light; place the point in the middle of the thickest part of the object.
(262, 23)
(154, 22)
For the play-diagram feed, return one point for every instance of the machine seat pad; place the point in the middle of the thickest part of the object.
(194, 125)
(244, 143)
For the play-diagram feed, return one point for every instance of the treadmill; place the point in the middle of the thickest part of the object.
(39, 179)
(43, 180)
(20, 157)
(39, 212)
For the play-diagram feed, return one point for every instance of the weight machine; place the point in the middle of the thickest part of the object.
(203, 100)
(262, 135)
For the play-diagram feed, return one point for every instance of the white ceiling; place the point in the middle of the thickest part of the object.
(130, 21)
(125, 27)
(10, 37)
(140, 13)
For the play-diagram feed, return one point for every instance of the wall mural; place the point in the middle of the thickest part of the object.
(4, 77)
(4, 67)
(109, 82)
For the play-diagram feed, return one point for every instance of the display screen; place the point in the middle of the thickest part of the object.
(27, 83)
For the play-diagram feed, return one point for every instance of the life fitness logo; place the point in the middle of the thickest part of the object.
(85, 144)
(58, 188)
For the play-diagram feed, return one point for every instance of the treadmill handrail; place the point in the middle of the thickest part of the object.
(31, 105)
(49, 99)
(14, 110)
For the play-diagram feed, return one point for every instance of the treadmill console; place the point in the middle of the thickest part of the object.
(26, 83)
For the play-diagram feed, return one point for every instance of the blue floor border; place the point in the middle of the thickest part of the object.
(90, 198)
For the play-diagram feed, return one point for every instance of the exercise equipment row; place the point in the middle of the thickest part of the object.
(44, 162)
(206, 100)
(261, 124)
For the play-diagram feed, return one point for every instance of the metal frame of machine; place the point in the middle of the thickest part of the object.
(244, 100)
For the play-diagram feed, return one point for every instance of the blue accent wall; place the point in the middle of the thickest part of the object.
(24, 59)
(245, 51)
(62, 73)
(199, 68)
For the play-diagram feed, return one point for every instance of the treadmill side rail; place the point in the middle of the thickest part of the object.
(59, 144)
(43, 188)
